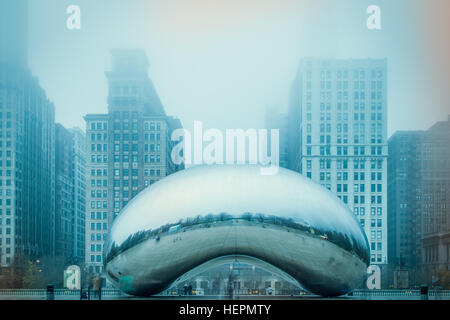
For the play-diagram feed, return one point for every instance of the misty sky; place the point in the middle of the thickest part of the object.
(223, 62)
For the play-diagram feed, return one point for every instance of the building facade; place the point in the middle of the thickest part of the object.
(419, 200)
(64, 202)
(403, 176)
(128, 148)
(70, 194)
(27, 168)
(27, 154)
(79, 194)
(338, 137)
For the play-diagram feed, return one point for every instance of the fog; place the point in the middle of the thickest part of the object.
(224, 62)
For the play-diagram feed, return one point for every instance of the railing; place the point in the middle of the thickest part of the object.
(399, 293)
(58, 292)
(111, 292)
(22, 292)
(385, 293)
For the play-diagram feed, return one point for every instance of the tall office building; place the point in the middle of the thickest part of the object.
(419, 202)
(64, 206)
(337, 132)
(403, 177)
(27, 174)
(274, 119)
(127, 149)
(70, 194)
(79, 194)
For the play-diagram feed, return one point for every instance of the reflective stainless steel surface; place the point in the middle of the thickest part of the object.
(207, 212)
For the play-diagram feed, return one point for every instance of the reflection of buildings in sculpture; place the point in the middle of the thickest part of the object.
(128, 148)
(286, 221)
(419, 201)
(248, 279)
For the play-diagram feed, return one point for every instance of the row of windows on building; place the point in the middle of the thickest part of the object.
(324, 117)
(358, 187)
(373, 211)
(378, 258)
(152, 158)
(99, 204)
(375, 73)
(125, 125)
(7, 221)
(126, 137)
(6, 201)
(99, 158)
(8, 163)
(374, 223)
(7, 126)
(99, 236)
(343, 164)
(96, 248)
(99, 215)
(99, 183)
(357, 176)
(135, 172)
(343, 151)
(343, 106)
(343, 96)
(343, 176)
(344, 127)
(96, 258)
(99, 194)
(8, 115)
(7, 211)
(8, 192)
(7, 241)
(7, 231)
(126, 147)
(99, 226)
(357, 85)
(7, 134)
(360, 199)
(357, 139)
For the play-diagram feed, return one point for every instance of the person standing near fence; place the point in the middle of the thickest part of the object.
(96, 283)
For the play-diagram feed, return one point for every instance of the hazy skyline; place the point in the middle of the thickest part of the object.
(224, 62)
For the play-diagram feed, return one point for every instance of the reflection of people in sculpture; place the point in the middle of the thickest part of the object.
(230, 286)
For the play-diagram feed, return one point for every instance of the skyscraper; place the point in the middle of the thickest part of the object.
(127, 149)
(64, 179)
(79, 194)
(337, 132)
(70, 194)
(403, 176)
(27, 154)
(419, 202)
